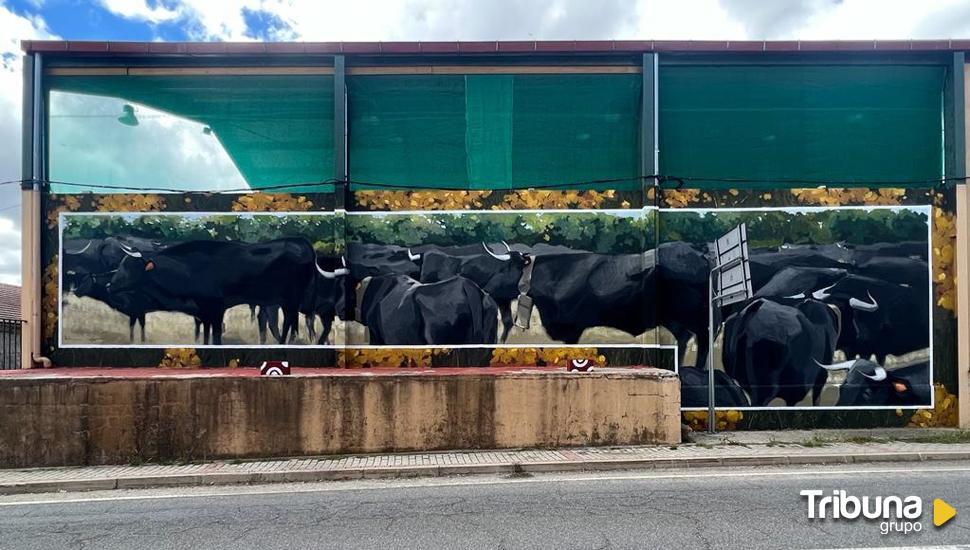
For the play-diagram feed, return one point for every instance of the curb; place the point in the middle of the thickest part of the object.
(391, 472)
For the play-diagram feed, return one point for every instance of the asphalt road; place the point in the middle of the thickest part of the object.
(701, 508)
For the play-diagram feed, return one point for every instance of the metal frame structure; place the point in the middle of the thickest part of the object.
(346, 58)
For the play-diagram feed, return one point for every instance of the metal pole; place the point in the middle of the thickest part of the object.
(711, 420)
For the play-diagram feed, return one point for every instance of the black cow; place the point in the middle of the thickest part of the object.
(917, 250)
(133, 303)
(869, 384)
(204, 278)
(399, 310)
(682, 295)
(496, 274)
(776, 350)
(694, 393)
(320, 298)
(574, 292)
(879, 318)
(765, 264)
(371, 260)
(911, 272)
(85, 256)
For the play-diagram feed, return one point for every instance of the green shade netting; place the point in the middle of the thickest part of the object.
(272, 130)
(864, 123)
(494, 131)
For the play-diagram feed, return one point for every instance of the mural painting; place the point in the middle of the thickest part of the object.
(840, 315)
(171, 280)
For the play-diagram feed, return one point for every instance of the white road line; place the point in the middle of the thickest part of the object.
(952, 547)
(243, 490)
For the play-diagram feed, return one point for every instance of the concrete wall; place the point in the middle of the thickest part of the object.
(49, 422)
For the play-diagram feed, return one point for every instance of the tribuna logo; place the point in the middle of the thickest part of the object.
(898, 514)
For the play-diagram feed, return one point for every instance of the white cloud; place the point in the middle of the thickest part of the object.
(140, 10)
(388, 20)
(9, 256)
(13, 29)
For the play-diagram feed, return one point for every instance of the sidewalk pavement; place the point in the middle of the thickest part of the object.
(729, 449)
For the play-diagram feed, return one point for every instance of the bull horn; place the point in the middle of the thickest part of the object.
(503, 257)
(821, 293)
(508, 249)
(871, 305)
(131, 252)
(844, 365)
(878, 377)
(87, 246)
(331, 274)
(798, 296)
(413, 257)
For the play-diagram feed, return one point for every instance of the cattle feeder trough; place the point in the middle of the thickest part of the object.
(80, 416)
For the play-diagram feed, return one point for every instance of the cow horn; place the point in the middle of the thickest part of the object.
(844, 365)
(872, 305)
(798, 296)
(131, 252)
(821, 293)
(413, 257)
(508, 249)
(878, 377)
(331, 274)
(87, 246)
(503, 257)
(343, 261)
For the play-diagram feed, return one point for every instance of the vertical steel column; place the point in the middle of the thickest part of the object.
(648, 120)
(648, 155)
(342, 190)
(956, 153)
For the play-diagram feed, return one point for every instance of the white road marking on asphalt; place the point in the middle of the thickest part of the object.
(951, 547)
(242, 490)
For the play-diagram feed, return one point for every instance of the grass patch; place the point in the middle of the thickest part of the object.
(815, 441)
(955, 436)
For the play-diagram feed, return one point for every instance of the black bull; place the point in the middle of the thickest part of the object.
(869, 384)
(574, 291)
(398, 310)
(878, 317)
(776, 350)
(205, 278)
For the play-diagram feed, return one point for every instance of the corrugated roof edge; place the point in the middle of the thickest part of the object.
(555, 46)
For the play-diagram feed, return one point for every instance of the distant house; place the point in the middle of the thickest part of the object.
(9, 326)
(9, 301)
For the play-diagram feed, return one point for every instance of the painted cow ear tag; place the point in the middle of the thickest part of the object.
(150, 265)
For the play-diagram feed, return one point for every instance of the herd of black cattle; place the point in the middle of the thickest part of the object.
(811, 300)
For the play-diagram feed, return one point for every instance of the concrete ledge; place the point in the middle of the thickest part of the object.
(94, 420)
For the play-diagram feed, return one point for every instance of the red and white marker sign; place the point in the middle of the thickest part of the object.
(274, 368)
(580, 365)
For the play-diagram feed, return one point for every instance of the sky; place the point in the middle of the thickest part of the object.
(393, 20)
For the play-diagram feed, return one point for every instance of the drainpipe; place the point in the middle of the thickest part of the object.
(31, 216)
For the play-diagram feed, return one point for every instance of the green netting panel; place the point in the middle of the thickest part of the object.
(494, 131)
(577, 128)
(862, 123)
(407, 130)
(202, 133)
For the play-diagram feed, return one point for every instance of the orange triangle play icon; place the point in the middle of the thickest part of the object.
(942, 512)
